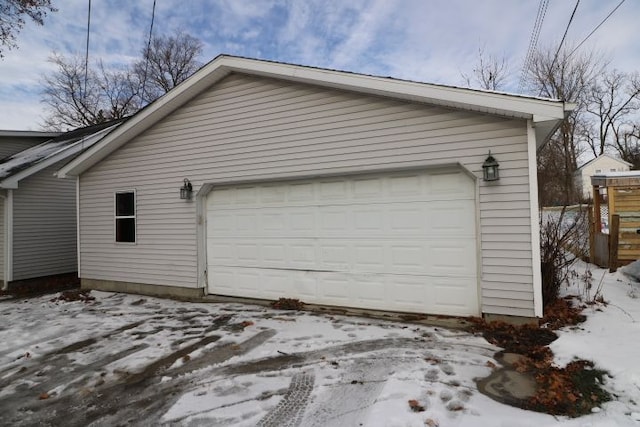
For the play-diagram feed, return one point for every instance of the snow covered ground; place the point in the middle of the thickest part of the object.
(126, 359)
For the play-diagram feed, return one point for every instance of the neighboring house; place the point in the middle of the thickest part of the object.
(602, 164)
(330, 187)
(14, 141)
(38, 210)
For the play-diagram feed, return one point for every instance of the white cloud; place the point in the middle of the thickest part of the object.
(413, 39)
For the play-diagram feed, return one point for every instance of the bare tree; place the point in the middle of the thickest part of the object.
(77, 96)
(73, 101)
(167, 62)
(80, 97)
(565, 77)
(12, 18)
(612, 101)
(628, 144)
(121, 90)
(490, 72)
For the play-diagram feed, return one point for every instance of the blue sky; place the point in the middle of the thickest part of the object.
(425, 40)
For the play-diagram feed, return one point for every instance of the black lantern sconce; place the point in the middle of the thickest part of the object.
(490, 169)
(186, 190)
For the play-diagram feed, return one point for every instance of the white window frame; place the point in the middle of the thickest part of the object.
(116, 217)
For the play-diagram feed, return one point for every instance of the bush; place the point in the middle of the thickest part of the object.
(563, 238)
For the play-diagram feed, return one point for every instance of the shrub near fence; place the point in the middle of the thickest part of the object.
(564, 236)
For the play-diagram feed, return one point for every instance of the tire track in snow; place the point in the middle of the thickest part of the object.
(290, 410)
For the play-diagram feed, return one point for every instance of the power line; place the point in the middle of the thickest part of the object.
(146, 65)
(533, 40)
(596, 28)
(555, 57)
(86, 54)
(542, 8)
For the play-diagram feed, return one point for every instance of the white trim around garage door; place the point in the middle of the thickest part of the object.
(342, 285)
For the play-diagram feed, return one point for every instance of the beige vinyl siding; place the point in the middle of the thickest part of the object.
(10, 146)
(249, 128)
(44, 226)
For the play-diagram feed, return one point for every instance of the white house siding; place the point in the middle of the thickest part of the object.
(9, 146)
(250, 128)
(2, 239)
(602, 164)
(44, 226)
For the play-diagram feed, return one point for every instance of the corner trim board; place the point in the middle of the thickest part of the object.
(535, 223)
(8, 271)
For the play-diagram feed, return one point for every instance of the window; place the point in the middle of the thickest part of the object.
(598, 170)
(612, 170)
(126, 216)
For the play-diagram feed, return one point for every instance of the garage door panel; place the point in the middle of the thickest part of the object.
(451, 257)
(451, 185)
(335, 256)
(300, 192)
(367, 188)
(273, 255)
(334, 221)
(388, 241)
(408, 258)
(246, 195)
(272, 194)
(334, 287)
(409, 293)
(452, 295)
(369, 257)
(407, 185)
(435, 257)
(247, 253)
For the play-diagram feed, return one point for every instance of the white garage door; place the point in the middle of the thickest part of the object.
(394, 241)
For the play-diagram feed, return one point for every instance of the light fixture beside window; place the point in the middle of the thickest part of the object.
(490, 169)
(186, 191)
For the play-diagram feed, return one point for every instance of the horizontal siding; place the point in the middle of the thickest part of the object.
(10, 146)
(44, 226)
(249, 128)
(2, 238)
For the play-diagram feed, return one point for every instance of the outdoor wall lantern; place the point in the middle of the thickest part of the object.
(186, 190)
(490, 169)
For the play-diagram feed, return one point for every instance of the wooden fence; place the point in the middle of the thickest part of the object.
(621, 245)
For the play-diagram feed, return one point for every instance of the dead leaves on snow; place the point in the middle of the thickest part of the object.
(415, 406)
(573, 390)
(288, 304)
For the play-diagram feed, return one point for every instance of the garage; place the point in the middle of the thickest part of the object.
(402, 241)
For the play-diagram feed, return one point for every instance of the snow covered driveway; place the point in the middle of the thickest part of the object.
(127, 360)
(123, 359)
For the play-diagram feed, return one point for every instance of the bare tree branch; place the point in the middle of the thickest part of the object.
(167, 62)
(490, 72)
(114, 93)
(566, 78)
(12, 18)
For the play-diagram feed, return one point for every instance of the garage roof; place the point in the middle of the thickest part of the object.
(546, 114)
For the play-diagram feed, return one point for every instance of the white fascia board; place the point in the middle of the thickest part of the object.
(474, 100)
(13, 180)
